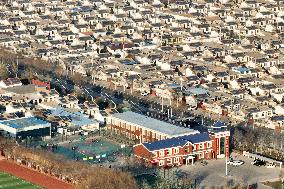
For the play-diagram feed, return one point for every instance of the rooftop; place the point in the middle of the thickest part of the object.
(154, 124)
(23, 122)
(76, 119)
(179, 141)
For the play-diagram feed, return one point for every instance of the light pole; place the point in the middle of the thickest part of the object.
(162, 104)
(90, 95)
(226, 157)
(226, 165)
(74, 148)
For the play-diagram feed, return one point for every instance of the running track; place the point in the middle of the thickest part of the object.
(33, 176)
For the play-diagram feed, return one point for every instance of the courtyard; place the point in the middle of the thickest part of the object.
(213, 174)
(92, 150)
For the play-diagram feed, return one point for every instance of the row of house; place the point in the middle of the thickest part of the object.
(224, 57)
(35, 110)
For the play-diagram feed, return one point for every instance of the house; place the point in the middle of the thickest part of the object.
(187, 149)
(26, 126)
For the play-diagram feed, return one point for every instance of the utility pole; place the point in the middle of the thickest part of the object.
(171, 108)
(226, 163)
(162, 104)
(92, 57)
(168, 113)
(177, 102)
(17, 66)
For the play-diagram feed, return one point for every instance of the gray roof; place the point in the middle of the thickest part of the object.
(24, 89)
(154, 124)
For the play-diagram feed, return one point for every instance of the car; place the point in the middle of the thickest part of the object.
(203, 162)
(144, 93)
(270, 165)
(258, 162)
(237, 163)
(230, 162)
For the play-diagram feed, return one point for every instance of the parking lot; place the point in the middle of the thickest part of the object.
(213, 174)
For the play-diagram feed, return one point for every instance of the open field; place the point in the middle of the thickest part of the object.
(11, 182)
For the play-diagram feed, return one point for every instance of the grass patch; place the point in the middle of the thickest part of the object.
(8, 181)
(275, 185)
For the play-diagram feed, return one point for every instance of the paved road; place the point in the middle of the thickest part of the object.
(147, 105)
(144, 105)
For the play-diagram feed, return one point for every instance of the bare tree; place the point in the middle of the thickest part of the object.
(3, 72)
(281, 176)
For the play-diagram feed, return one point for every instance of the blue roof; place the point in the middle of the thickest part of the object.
(23, 122)
(128, 62)
(197, 138)
(197, 91)
(178, 141)
(219, 124)
(167, 143)
(242, 69)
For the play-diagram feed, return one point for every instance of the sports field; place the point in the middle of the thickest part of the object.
(97, 149)
(29, 175)
(10, 182)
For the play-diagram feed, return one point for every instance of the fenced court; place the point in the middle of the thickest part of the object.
(8, 181)
(92, 150)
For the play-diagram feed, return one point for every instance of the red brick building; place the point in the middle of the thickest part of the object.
(143, 128)
(187, 149)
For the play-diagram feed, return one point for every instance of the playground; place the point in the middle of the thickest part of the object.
(94, 150)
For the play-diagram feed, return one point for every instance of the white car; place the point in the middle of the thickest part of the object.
(230, 162)
(144, 93)
(270, 165)
(237, 162)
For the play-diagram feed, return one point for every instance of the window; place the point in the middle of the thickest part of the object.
(186, 150)
(155, 154)
(161, 153)
(209, 144)
(201, 156)
(161, 162)
(222, 145)
(169, 161)
(176, 160)
(201, 146)
(176, 150)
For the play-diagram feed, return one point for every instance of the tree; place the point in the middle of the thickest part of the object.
(58, 70)
(85, 176)
(281, 176)
(77, 78)
(145, 185)
(237, 137)
(3, 72)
